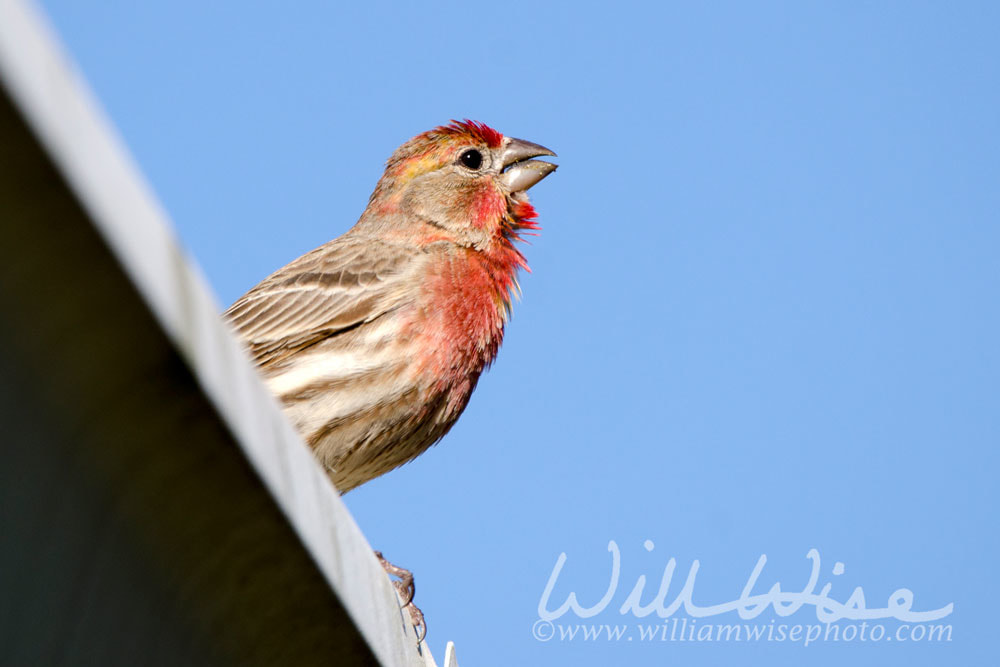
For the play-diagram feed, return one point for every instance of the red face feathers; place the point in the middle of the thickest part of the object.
(467, 181)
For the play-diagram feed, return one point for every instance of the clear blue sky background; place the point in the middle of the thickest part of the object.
(763, 316)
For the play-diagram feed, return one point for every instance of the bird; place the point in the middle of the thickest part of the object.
(374, 341)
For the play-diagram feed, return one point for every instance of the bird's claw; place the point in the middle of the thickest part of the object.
(417, 619)
(406, 589)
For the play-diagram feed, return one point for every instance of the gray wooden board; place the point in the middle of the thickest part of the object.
(155, 506)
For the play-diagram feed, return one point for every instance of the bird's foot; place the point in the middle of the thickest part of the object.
(407, 589)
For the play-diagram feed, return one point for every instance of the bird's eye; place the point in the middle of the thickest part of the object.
(472, 158)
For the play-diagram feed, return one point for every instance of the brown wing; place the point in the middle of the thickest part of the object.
(336, 287)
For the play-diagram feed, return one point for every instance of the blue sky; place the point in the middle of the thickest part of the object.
(763, 311)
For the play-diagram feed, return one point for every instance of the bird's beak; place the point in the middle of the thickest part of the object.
(520, 171)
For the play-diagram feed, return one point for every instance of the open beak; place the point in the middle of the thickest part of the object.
(520, 171)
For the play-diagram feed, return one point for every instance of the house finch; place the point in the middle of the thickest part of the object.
(375, 340)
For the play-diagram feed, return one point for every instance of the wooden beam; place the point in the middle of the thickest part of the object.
(155, 506)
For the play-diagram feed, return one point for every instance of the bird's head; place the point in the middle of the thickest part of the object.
(465, 181)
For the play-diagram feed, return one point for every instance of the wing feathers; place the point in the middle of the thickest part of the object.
(339, 286)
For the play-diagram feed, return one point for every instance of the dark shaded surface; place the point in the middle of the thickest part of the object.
(132, 529)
